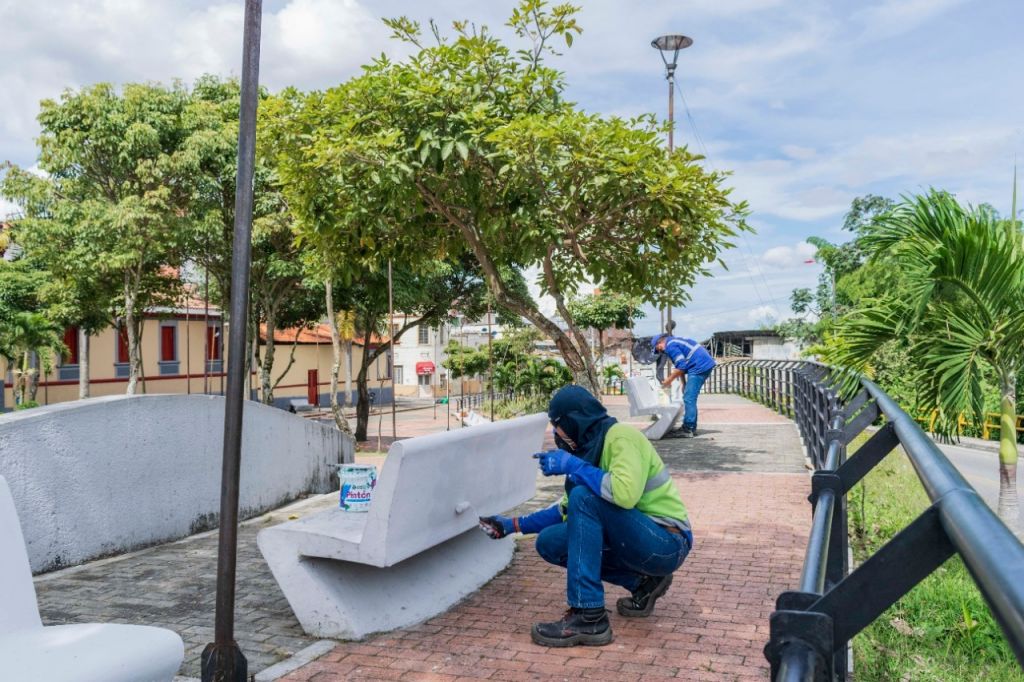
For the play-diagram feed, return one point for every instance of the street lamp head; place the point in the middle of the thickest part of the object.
(671, 43)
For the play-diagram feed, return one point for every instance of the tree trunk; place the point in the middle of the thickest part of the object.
(132, 331)
(266, 389)
(332, 322)
(600, 358)
(1008, 508)
(578, 360)
(348, 372)
(33, 375)
(83, 364)
(363, 401)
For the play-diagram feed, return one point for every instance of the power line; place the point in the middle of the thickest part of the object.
(744, 246)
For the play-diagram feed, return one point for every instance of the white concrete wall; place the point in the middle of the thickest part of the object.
(774, 349)
(97, 477)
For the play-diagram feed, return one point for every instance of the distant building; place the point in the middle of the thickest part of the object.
(184, 349)
(757, 344)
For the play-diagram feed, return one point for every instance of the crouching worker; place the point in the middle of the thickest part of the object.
(621, 520)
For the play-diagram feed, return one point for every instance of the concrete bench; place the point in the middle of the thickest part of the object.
(474, 418)
(90, 652)
(417, 551)
(643, 400)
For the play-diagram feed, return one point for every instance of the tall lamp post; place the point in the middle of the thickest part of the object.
(666, 45)
(222, 660)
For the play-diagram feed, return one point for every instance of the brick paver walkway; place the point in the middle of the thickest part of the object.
(751, 530)
(742, 480)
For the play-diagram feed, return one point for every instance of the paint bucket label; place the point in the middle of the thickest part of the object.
(357, 482)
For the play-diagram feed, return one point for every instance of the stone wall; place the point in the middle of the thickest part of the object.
(106, 475)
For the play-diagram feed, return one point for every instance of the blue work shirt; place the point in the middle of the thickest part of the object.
(688, 355)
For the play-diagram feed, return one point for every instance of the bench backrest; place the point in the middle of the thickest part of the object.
(18, 608)
(640, 394)
(434, 487)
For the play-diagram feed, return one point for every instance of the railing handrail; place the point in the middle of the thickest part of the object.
(811, 627)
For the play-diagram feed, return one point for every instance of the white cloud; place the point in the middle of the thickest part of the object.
(893, 17)
(784, 257)
(795, 151)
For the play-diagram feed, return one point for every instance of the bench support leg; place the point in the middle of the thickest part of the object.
(345, 600)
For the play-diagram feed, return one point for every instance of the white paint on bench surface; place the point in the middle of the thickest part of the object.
(644, 401)
(417, 550)
(88, 652)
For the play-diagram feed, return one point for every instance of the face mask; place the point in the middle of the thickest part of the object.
(561, 444)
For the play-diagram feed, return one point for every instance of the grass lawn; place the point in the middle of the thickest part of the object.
(942, 631)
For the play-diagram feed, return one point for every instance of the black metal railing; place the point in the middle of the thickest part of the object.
(812, 626)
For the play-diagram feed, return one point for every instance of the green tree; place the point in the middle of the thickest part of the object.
(962, 317)
(117, 191)
(426, 297)
(470, 146)
(278, 295)
(604, 311)
(29, 341)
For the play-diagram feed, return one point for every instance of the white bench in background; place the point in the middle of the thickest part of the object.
(474, 418)
(90, 652)
(418, 550)
(643, 400)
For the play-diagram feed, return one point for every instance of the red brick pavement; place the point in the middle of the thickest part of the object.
(711, 626)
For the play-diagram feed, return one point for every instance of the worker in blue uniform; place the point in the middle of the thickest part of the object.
(690, 359)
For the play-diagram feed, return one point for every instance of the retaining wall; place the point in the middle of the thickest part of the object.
(102, 476)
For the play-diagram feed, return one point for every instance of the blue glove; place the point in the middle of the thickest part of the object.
(559, 463)
(497, 527)
(539, 520)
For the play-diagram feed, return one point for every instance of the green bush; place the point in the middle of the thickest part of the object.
(27, 405)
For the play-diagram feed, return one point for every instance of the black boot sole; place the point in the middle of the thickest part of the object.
(623, 606)
(581, 639)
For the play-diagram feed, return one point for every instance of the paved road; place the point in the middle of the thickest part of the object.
(980, 468)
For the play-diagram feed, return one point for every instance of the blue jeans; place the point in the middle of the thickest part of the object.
(690, 393)
(602, 541)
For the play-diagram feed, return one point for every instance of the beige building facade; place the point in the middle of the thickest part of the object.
(185, 351)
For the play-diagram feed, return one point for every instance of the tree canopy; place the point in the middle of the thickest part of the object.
(469, 146)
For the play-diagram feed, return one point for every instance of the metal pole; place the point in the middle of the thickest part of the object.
(222, 660)
(671, 146)
(391, 336)
(490, 359)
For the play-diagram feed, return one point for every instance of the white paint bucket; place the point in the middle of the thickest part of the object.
(357, 482)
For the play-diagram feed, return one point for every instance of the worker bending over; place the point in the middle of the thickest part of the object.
(689, 359)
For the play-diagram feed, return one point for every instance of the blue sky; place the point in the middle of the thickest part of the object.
(810, 103)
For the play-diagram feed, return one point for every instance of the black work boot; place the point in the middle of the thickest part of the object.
(641, 602)
(689, 433)
(589, 627)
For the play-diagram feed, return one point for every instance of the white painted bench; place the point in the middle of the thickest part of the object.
(474, 418)
(90, 652)
(643, 400)
(418, 550)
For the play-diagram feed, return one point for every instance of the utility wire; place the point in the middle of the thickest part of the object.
(744, 246)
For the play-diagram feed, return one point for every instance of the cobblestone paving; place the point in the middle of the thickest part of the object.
(173, 586)
(750, 528)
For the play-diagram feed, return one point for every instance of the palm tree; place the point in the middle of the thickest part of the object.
(963, 316)
(25, 334)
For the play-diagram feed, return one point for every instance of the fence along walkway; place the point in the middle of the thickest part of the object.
(812, 625)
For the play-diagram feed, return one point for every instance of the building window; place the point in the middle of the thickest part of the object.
(168, 347)
(71, 343)
(423, 379)
(399, 374)
(121, 359)
(68, 370)
(424, 332)
(214, 347)
(122, 344)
